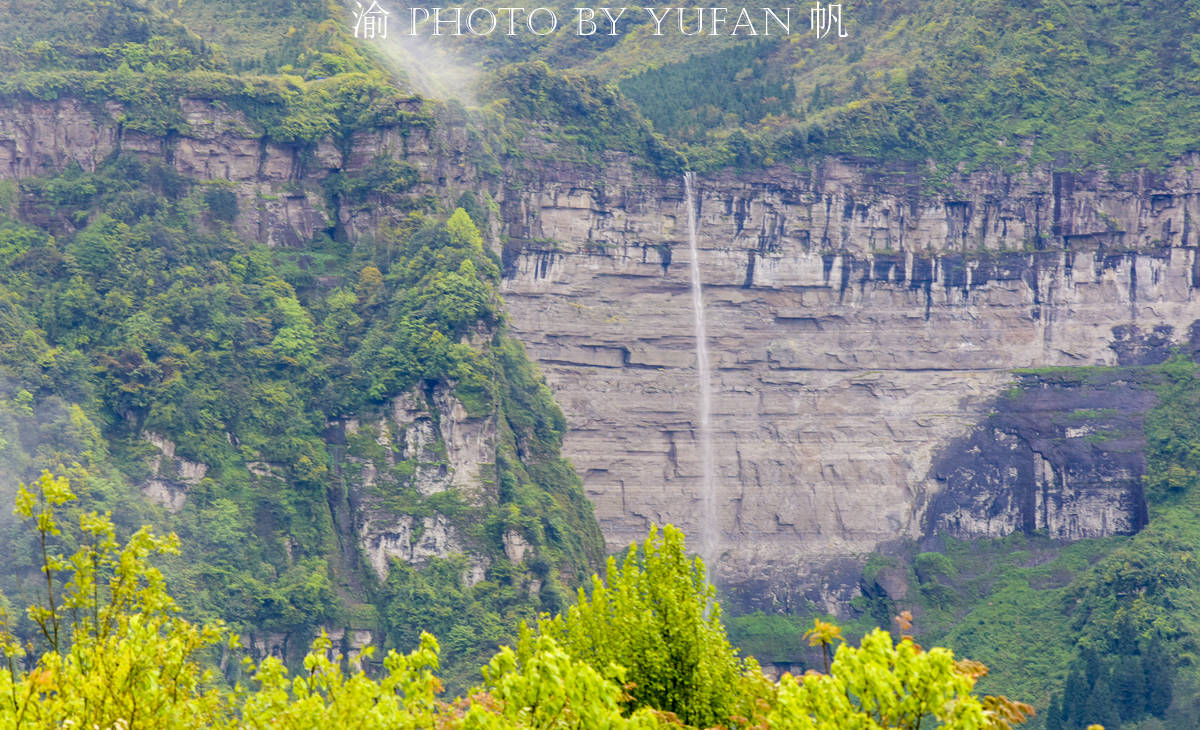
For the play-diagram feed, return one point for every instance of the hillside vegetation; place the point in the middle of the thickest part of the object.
(977, 83)
(1071, 83)
(645, 649)
(980, 82)
(133, 308)
(141, 332)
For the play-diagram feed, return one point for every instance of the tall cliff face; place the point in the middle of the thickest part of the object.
(862, 328)
(859, 327)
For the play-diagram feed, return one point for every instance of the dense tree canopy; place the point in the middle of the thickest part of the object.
(114, 651)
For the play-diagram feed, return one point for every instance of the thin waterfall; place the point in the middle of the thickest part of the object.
(710, 530)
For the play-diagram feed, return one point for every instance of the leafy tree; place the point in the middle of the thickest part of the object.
(823, 634)
(326, 696)
(116, 652)
(464, 231)
(882, 684)
(579, 696)
(656, 616)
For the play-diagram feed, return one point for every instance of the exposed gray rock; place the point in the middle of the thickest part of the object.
(402, 536)
(857, 326)
(170, 477)
(447, 449)
(1063, 455)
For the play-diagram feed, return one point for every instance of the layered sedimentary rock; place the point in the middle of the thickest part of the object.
(864, 324)
(279, 197)
(1062, 453)
(859, 329)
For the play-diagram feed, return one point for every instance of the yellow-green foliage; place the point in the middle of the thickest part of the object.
(886, 685)
(116, 654)
(657, 616)
(116, 650)
(579, 696)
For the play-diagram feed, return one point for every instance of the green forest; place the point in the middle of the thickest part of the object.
(142, 321)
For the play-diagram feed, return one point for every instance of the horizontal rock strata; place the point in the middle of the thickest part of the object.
(858, 327)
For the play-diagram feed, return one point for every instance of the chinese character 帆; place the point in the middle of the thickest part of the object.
(825, 18)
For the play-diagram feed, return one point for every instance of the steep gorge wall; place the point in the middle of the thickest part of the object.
(859, 329)
(862, 329)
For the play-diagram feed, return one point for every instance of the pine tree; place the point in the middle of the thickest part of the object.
(1075, 697)
(1158, 677)
(1054, 714)
(1100, 708)
(1093, 667)
(1129, 687)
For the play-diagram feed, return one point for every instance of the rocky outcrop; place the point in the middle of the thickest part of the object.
(858, 328)
(39, 138)
(408, 538)
(170, 477)
(1063, 453)
(425, 444)
(278, 187)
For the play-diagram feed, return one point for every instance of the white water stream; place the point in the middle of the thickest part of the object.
(710, 530)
